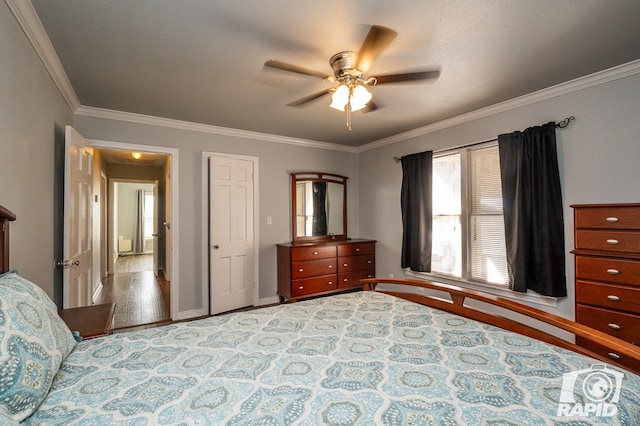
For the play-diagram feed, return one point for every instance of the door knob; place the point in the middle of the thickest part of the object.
(66, 264)
(216, 246)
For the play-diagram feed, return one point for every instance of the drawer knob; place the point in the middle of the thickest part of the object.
(369, 276)
(614, 326)
(613, 298)
(345, 280)
(330, 283)
(612, 242)
(330, 266)
(301, 287)
(613, 355)
(345, 265)
(612, 219)
(357, 248)
(369, 262)
(300, 269)
(613, 271)
(315, 252)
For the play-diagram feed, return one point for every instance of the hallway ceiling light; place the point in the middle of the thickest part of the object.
(136, 155)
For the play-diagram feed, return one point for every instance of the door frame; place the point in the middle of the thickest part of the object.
(206, 155)
(174, 283)
(113, 214)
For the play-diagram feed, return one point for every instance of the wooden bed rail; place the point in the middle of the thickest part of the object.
(456, 304)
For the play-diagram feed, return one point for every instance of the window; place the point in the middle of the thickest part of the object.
(468, 229)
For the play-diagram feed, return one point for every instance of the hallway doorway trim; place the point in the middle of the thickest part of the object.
(173, 254)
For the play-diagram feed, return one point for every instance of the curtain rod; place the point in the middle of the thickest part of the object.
(560, 125)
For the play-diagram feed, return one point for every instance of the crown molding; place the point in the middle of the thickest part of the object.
(580, 83)
(28, 19)
(206, 128)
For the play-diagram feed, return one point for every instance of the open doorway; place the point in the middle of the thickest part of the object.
(137, 228)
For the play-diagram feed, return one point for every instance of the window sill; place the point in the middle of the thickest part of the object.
(529, 297)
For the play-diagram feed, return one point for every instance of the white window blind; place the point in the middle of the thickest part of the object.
(487, 253)
(468, 229)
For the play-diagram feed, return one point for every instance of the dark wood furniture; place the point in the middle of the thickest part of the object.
(90, 321)
(607, 264)
(456, 301)
(313, 269)
(5, 217)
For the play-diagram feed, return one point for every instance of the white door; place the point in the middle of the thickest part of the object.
(167, 224)
(78, 221)
(231, 196)
(156, 229)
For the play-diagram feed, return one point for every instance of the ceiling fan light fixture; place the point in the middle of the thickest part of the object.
(136, 155)
(340, 97)
(360, 97)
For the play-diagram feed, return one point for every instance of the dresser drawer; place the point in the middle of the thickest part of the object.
(352, 279)
(315, 252)
(312, 268)
(607, 269)
(609, 354)
(615, 217)
(313, 285)
(351, 249)
(608, 296)
(618, 241)
(354, 263)
(623, 326)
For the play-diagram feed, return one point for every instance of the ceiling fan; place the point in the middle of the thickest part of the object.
(349, 69)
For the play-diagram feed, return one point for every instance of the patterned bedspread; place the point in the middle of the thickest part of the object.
(359, 358)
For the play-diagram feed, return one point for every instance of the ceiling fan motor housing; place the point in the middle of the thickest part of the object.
(342, 64)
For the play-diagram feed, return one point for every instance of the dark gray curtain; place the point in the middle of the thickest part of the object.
(532, 203)
(319, 225)
(138, 230)
(415, 199)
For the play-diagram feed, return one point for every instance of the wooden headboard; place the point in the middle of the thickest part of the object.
(5, 217)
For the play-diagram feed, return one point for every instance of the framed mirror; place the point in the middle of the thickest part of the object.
(318, 206)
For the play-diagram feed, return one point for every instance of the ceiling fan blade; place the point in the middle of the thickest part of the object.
(374, 44)
(310, 98)
(370, 107)
(294, 68)
(411, 76)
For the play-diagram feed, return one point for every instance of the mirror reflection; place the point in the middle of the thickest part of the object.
(319, 208)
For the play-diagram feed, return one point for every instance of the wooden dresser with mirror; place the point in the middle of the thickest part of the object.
(321, 259)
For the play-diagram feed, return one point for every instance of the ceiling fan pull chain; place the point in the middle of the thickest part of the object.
(348, 108)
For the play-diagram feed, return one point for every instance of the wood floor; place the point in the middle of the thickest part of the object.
(140, 297)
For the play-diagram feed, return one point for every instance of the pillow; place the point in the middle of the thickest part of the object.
(33, 343)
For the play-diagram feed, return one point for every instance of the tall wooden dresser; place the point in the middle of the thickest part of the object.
(607, 264)
(314, 269)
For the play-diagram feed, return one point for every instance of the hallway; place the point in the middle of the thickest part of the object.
(140, 297)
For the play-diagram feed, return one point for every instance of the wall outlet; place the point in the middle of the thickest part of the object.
(269, 220)
(391, 276)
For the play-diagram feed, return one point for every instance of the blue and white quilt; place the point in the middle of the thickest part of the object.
(361, 358)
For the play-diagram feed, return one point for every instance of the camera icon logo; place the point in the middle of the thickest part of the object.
(599, 387)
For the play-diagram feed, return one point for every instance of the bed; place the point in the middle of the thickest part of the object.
(366, 357)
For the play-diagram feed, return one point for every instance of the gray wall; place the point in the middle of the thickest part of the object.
(276, 161)
(33, 114)
(599, 161)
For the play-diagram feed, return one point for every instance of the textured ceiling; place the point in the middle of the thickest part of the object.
(202, 61)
